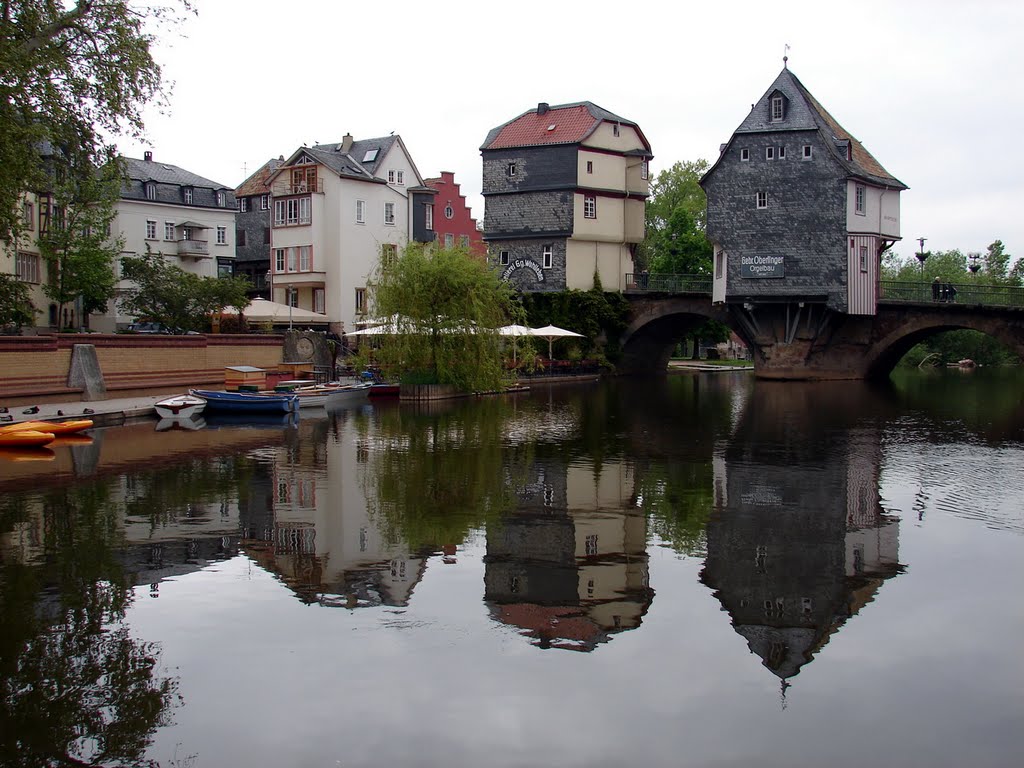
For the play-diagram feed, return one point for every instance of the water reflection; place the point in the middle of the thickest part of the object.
(798, 542)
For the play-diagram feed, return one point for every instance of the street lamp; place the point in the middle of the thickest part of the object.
(921, 255)
(291, 299)
(974, 266)
(270, 285)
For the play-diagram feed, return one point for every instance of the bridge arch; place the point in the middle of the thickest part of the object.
(658, 324)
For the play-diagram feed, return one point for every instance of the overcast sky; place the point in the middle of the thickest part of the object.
(931, 87)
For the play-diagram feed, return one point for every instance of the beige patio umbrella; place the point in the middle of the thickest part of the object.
(514, 331)
(552, 332)
(265, 310)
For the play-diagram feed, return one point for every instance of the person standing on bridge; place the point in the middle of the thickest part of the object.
(936, 289)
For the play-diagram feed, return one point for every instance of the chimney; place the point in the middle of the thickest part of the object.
(542, 108)
(147, 156)
(346, 142)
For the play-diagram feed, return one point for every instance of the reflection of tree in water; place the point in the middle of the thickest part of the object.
(77, 688)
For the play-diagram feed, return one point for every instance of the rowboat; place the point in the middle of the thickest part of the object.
(25, 438)
(247, 402)
(180, 407)
(384, 389)
(330, 394)
(67, 427)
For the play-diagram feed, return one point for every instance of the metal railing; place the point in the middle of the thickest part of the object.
(659, 283)
(968, 293)
(290, 187)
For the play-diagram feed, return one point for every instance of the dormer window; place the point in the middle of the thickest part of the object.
(221, 197)
(150, 190)
(186, 194)
(778, 108)
(511, 170)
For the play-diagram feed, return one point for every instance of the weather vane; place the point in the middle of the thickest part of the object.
(785, 57)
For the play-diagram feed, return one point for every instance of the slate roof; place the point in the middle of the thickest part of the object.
(351, 164)
(803, 113)
(259, 182)
(573, 123)
(165, 173)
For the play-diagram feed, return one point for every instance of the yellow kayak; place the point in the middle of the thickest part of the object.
(25, 438)
(67, 427)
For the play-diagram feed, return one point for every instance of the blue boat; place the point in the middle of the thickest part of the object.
(247, 402)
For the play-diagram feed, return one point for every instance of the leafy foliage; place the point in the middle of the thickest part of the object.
(16, 307)
(675, 242)
(447, 306)
(599, 316)
(73, 78)
(167, 294)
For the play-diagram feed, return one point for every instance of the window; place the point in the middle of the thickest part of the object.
(590, 207)
(279, 260)
(503, 258)
(777, 108)
(27, 266)
(590, 166)
(360, 211)
(186, 194)
(464, 241)
(293, 297)
(428, 216)
(807, 152)
(370, 155)
(388, 253)
(769, 153)
(264, 202)
(242, 204)
(240, 238)
(744, 155)
(859, 193)
(360, 300)
(150, 190)
(221, 199)
(292, 211)
(186, 233)
(168, 230)
(719, 263)
(290, 261)
(319, 301)
(449, 240)
(449, 212)
(863, 258)
(615, 129)
(546, 257)
(645, 170)
(391, 177)
(266, 235)
(389, 213)
(28, 215)
(782, 153)
(511, 170)
(305, 258)
(401, 177)
(222, 235)
(762, 199)
(151, 230)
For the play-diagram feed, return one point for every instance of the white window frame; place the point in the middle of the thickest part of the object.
(279, 260)
(360, 301)
(242, 204)
(510, 170)
(305, 258)
(615, 129)
(547, 257)
(778, 109)
(863, 258)
(150, 190)
(264, 202)
(744, 155)
(428, 215)
(449, 212)
(860, 194)
(169, 231)
(360, 211)
(807, 152)
(504, 258)
(319, 301)
(389, 214)
(590, 206)
(151, 229)
(388, 253)
(222, 235)
(28, 216)
(645, 170)
(782, 153)
(391, 176)
(27, 267)
(291, 261)
(400, 178)
(762, 200)
(187, 195)
(769, 153)
(449, 240)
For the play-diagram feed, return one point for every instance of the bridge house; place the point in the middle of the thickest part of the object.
(799, 212)
(565, 189)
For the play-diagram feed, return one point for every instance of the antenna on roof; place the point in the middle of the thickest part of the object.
(785, 57)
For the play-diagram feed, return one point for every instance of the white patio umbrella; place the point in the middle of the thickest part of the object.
(265, 310)
(552, 332)
(514, 331)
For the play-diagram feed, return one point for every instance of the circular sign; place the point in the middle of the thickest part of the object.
(304, 347)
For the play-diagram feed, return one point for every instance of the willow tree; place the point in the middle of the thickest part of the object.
(446, 306)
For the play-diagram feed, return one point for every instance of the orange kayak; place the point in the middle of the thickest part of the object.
(27, 454)
(24, 438)
(68, 427)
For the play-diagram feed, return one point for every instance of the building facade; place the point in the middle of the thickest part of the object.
(337, 209)
(252, 229)
(564, 190)
(452, 218)
(798, 209)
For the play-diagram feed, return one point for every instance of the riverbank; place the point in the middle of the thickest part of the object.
(703, 365)
(102, 412)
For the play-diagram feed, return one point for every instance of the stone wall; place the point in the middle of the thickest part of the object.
(526, 262)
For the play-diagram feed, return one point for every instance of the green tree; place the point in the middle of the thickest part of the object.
(16, 308)
(995, 263)
(447, 306)
(167, 294)
(76, 247)
(675, 242)
(75, 75)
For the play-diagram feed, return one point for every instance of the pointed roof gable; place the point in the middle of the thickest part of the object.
(804, 113)
(572, 123)
(165, 173)
(259, 182)
(362, 161)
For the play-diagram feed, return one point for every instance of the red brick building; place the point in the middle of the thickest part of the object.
(453, 220)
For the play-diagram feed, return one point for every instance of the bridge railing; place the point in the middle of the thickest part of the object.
(968, 292)
(660, 283)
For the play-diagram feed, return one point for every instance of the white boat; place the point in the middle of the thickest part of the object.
(331, 394)
(189, 425)
(180, 407)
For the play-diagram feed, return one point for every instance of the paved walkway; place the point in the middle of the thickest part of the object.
(100, 411)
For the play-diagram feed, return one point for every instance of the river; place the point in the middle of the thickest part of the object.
(696, 570)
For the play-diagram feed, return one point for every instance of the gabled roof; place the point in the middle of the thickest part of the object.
(805, 113)
(363, 160)
(165, 173)
(573, 123)
(259, 182)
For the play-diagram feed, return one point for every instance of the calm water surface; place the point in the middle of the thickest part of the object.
(699, 570)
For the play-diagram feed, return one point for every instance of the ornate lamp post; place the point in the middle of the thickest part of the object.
(974, 266)
(922, 254)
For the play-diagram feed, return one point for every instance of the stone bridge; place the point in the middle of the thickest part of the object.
(794, 340)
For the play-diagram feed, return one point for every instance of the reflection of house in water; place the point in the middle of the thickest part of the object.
(569, 566)
(798, 544)
(318, 536)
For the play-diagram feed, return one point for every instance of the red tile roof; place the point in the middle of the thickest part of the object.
(571, 125)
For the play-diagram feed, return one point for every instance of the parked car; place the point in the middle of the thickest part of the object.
(148, 328)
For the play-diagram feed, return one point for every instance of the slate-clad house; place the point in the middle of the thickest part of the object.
(798, 209)
(564, 190)
(252, 228)
(336, 209)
